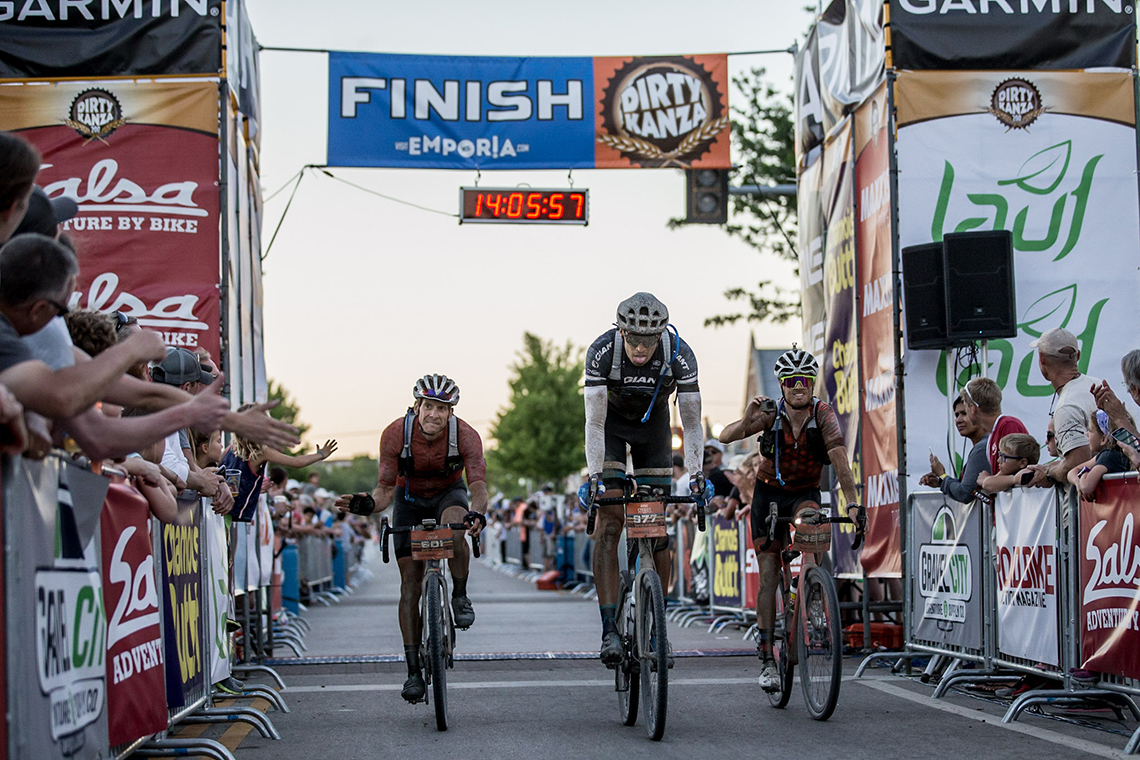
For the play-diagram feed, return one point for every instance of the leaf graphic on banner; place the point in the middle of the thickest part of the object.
(1047, 164)
(1049, 311)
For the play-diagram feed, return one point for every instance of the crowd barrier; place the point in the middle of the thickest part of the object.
(126, 617)
(1036, 582)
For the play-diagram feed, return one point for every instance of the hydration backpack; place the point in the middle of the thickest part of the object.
(452, 464)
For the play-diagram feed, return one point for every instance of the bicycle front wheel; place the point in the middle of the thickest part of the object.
(654, 645)
(819, 643)
(435, 625)
(627, 683)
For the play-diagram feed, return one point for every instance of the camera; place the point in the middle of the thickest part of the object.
(768, 406)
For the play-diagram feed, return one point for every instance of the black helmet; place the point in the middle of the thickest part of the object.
(796, 361)
(437, 388)
(642, 314)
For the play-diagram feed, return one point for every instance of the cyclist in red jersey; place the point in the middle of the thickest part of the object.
(423, 458)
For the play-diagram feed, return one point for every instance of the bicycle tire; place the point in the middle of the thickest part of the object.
(437, 649)
(819, 642)
(781, 650)
(654, 653)
(626, 683)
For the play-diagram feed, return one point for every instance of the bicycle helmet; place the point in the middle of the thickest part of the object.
(796, 361)
(642, 314)
(437, 388)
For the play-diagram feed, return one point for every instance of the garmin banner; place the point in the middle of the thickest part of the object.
(452, 112)
(55, 39)
(1028, 573)
(946, 571)
(1012, 34)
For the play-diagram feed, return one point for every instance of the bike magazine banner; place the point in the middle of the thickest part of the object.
(1012, 34)
(726, 586)
(1110, 580)
(453, 112)
(809, 214)
(141, 160)
(946, 571)
(134, 627)
(56, 622)
(1052, 158)
(1027, 574)
(182, 605)
(881, 551)
(56, 39)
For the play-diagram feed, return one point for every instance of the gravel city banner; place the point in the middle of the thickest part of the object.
(1027, 574)
(141, 160)
(134, 626)
(1050, 156)
(1012, 34)
(182, 604)
(880, 556)
(1109, 552)
(726, 570)
(945, 556)
(453, 112)
(55, 39)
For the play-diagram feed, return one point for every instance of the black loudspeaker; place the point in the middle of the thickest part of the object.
(924, 296)
(978, 271)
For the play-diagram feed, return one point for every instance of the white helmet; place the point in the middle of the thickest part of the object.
(796, 361)
(642, 314)
(437, 388)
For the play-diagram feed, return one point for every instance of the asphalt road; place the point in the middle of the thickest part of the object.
(553, 708)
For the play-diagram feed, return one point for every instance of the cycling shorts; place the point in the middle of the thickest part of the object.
(419, 508)
(650, 445)
(787, 504)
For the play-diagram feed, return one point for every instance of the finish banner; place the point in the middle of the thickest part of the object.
(945, 555)
(1051, 157)
(452, 112)
(1110, 580)
(183, 606)
(881, 550)
(1027, 574)
(1012, 34)
(134, 630)
(55, 39)
(141, 160)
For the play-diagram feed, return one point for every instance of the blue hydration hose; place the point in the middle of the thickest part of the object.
(779, 414)
(664, 368)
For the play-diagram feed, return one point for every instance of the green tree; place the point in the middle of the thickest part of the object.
(541, 434)
(349, 476)
(289, 411)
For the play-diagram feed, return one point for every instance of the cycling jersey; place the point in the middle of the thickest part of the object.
(802, 457)
(431, 476)
(631, 387)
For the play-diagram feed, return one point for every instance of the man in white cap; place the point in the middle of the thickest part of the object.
(722, 486)
(1058, 352)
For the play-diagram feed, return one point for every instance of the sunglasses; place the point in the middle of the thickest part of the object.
(969, 396)
(122, 320)
(641, 341)
(792, 382)
(59, 307)
(1050, 435)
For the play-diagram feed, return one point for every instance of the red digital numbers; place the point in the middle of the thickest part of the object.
(556, 209)
(524, 206)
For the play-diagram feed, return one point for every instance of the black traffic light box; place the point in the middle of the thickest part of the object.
(706, 196)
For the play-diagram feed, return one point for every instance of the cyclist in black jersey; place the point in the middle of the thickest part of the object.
(630, 373)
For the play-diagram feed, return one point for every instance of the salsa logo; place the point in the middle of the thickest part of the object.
(945, 571)
(662, 111)
(1016, 103)
(95, 115)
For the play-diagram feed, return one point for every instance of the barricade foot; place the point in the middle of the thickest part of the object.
(256, 718)
(878, 656)
(1133, 744)
(1066, 698)
(971, 676)
(184, 747)
(266, 693)
(261, 669)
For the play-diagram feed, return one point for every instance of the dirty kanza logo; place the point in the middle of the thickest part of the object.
(95, 114)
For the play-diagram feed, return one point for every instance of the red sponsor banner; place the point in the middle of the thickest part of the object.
(135, 686)
(1110, 580)
(751, 567)
(881, 555)
(141, 160)
(3, 640)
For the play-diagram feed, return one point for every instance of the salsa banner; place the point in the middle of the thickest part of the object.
(452, 112)
(141, 160)
(182, 605)
(1028, 573)
(134, 625)
(876, 286)
(1110, 579)
(1012, 34)
(946, 566)
(49, 39)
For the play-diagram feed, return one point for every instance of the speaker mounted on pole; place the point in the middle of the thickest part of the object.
(978, 272)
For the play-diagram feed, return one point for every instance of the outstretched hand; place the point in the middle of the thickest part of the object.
(327, 450)
(256, 425)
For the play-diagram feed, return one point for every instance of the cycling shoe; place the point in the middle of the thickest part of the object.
(414, 688)
(462, 612)
(612, 650)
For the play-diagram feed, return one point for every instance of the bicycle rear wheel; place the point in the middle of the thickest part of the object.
(781, 644)
(627, 683)
(435, 627)
(654, 646)
(819, 643)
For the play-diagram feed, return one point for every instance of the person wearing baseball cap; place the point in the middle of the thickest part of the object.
(722, 486)
(181, 368)
(1058, 352)
(44, 215)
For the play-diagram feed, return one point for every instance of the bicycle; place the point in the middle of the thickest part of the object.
(641, 621)
(437, 640)
(811, 621)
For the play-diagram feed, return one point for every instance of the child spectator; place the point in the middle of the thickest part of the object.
(1107, 457)
(1016, 451)
(207, 452)
(158, 485)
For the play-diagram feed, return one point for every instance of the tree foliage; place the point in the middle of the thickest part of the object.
(340, 476)
(540, 435)
(289, 411)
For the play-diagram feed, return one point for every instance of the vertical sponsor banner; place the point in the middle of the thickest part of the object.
(217, 599)
(182, 606)
(264, 542)
(134, 630)
(1027, 574)
(808, 104)
(946, 571)
(880, 555)
(1110, 580)
(56, 626)
(751, 566)
(141, 160)
(1051, 157)
(725, 562)
(810, 216)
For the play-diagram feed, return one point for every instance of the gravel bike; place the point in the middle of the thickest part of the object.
(808, 629)
(643, 672)
(432, 542)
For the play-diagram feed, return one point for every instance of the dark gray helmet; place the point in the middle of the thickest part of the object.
(642, 314)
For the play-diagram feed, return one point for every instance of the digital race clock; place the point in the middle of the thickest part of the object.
(523, 205)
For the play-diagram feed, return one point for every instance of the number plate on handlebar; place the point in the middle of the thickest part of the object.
(432, 544)
(645, 519)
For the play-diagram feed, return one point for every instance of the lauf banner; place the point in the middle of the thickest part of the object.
(134, 630)
(1027, 574)
(183, 606)
(141, 160)
(1110, 580)
(451, 112)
